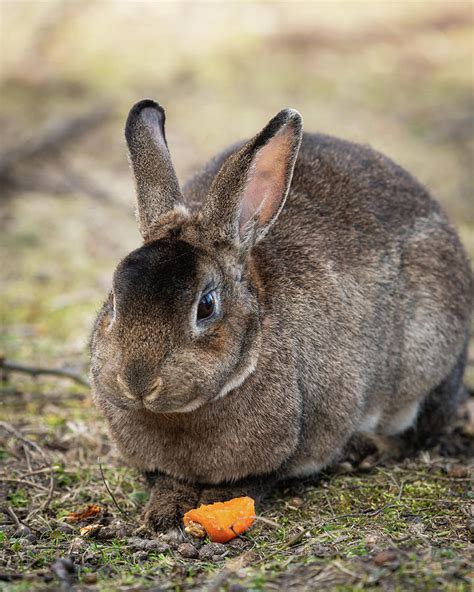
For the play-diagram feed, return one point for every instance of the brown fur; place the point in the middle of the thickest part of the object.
(344, 318)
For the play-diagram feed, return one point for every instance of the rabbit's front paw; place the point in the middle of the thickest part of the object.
(168, 503)
(162, 517)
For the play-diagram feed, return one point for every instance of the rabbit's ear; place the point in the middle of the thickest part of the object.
(250, 189)
(156, 182)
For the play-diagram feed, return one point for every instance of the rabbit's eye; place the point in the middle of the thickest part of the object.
(206, 306)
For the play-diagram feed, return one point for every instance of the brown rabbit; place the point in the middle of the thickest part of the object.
(300, 291)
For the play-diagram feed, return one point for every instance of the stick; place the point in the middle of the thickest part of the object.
(290, 543)
(271, 523)
(47, 501)
(13, 516)
(25, 482)
(35, 371)
(11, 430)
(52, 137)
(109, 490)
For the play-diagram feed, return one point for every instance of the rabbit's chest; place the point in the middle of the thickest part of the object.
(209, 448)
(220, 457)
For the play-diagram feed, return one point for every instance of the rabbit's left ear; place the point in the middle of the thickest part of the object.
(250, 189)
(156, 183)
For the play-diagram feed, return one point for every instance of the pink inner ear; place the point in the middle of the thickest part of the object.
(266, 182)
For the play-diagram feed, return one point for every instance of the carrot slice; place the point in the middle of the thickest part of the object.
(223, 521)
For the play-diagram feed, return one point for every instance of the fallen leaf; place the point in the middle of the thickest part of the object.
(90, 530)
(90, 512)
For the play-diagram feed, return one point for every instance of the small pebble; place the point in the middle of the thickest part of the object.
(66, 528)
(236, 588)
(198, 543)
(140, 555)
(319, 550)
(65, 570)
(148, 545)
(296, 502)
(237, 544)
(212, 550)
(385, 557)
(89, 578)
(106, 533)
(188, 550)
(116, 529)
(458, 472)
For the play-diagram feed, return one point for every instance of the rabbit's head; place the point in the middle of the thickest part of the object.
(182, 324)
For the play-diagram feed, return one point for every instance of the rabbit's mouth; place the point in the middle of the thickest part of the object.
(186, 408)
(157, 401)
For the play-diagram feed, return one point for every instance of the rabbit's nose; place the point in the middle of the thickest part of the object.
(138, 390)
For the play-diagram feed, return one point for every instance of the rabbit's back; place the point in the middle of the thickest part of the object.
(378, 253)
(372, 282)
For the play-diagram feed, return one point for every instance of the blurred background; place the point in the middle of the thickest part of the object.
(393, 74)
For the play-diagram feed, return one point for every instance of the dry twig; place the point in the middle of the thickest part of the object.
(34, 446)
(8, 366)
(109, 490)
(51, 138)
(22, 165)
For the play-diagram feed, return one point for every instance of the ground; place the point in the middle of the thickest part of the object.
(395, 75)
(402, 526)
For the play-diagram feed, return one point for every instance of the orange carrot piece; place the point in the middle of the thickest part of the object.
(223, 521)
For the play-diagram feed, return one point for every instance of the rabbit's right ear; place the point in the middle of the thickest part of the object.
(156, 183)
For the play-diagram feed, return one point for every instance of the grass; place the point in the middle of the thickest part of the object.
(395, 75)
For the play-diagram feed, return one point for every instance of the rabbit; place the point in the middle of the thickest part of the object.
(298, 292)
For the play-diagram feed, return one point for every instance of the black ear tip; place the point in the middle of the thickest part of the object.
(144, 104)
(136, 110)
(286, 117)
(290, 115)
